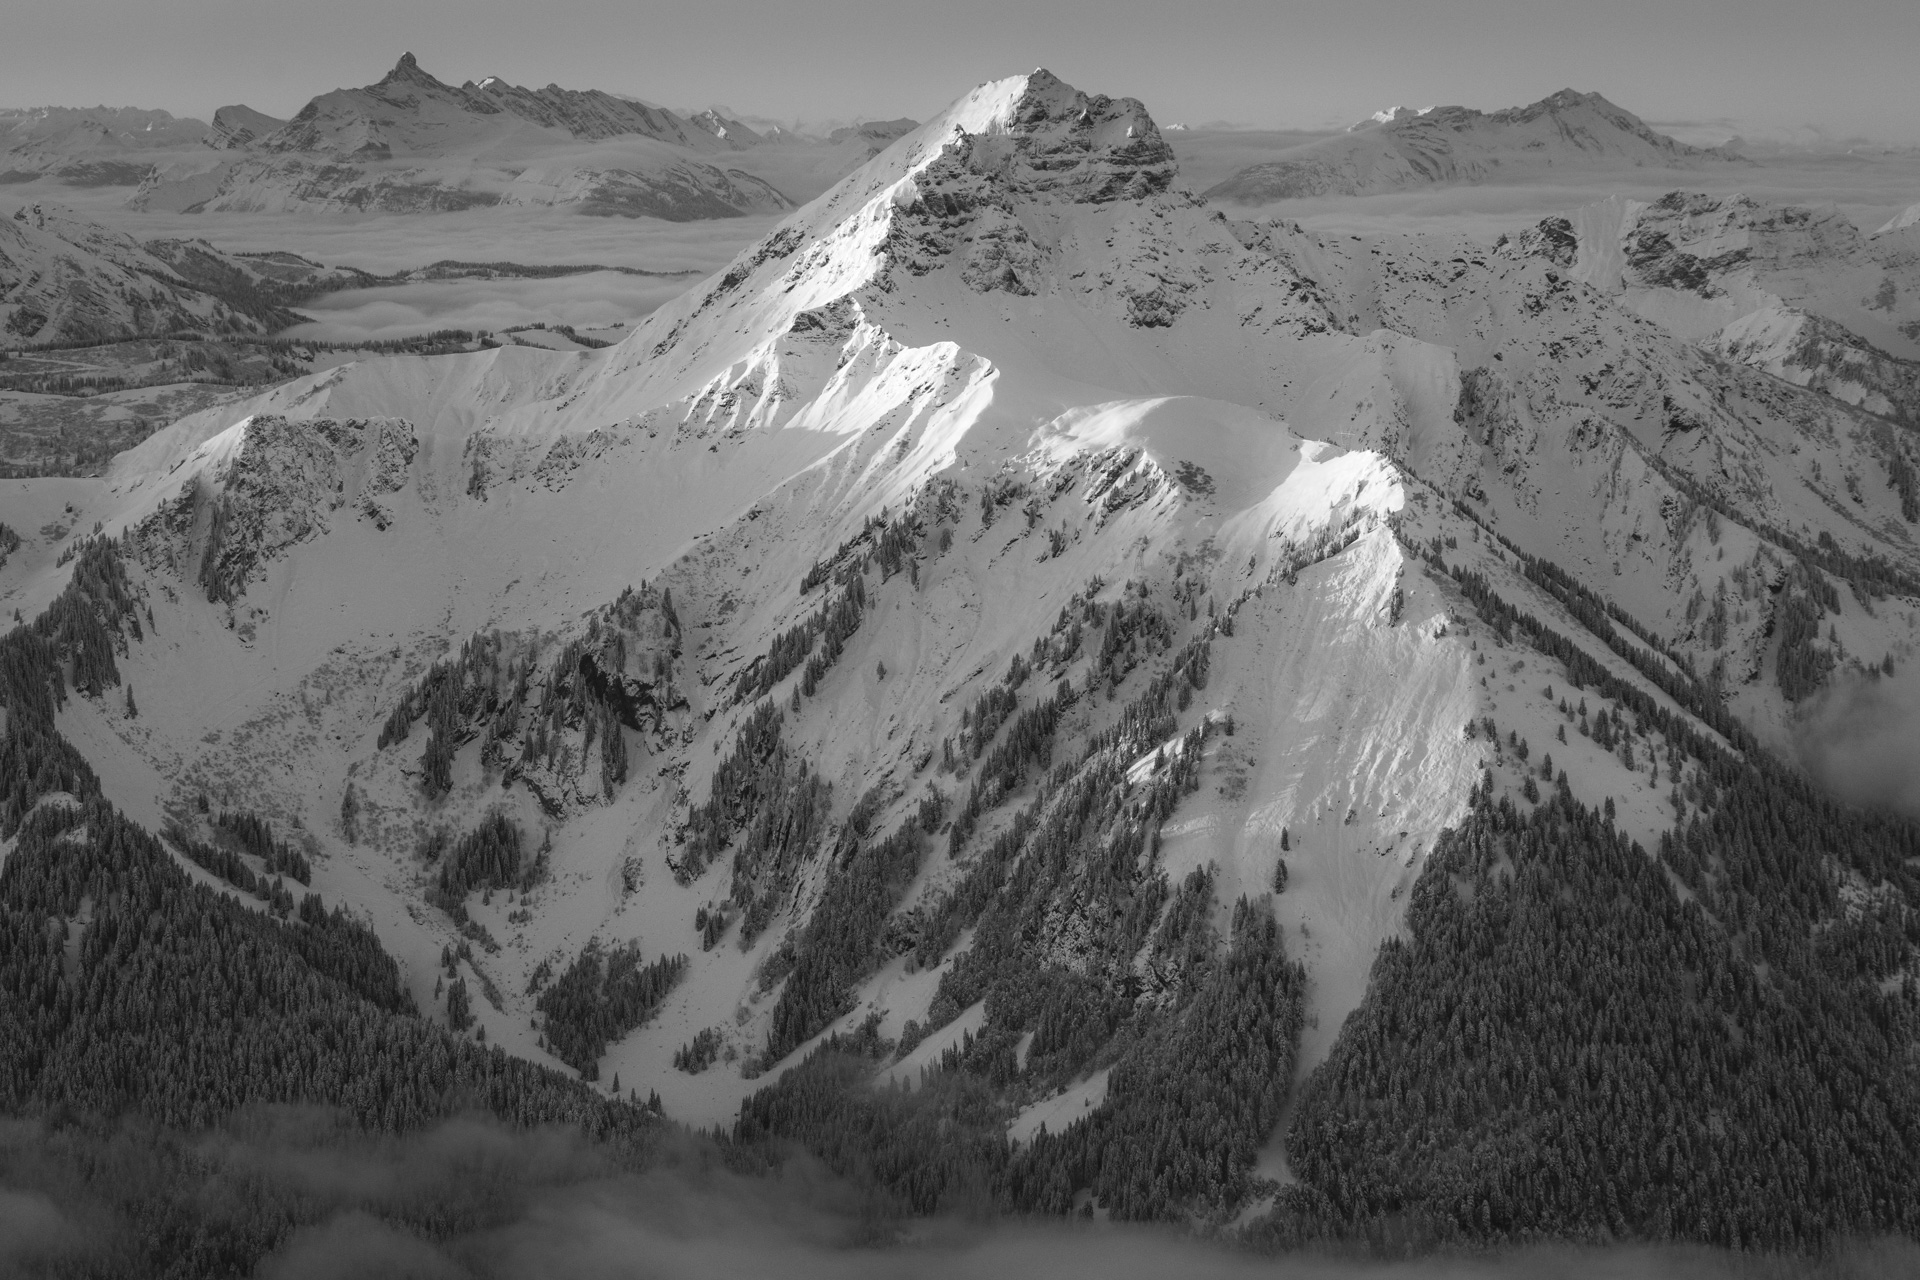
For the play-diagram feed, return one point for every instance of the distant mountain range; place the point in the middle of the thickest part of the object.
(412, 143)
(1403, 147)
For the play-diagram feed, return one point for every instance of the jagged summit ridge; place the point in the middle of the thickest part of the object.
(1093, 147)
(1392, 115)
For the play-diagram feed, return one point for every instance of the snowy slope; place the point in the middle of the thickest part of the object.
(1011, 342)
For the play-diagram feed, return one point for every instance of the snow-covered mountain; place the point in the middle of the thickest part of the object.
(1907, 217)
(1392, 115)
(1407, 148)
(1008, 617)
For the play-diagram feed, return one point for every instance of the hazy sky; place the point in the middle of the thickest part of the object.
(1848, 66)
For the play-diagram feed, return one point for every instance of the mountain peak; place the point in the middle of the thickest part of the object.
(409, 71)
(1095, 147)
(1392, 115)
(1571, 98)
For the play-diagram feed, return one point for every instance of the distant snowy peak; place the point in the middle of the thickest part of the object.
(728, 130)
(1404, 148)
(1392, 115)
(1907, 217)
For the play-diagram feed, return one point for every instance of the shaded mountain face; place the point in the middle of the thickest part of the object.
(1406, 148)
(1022, 681)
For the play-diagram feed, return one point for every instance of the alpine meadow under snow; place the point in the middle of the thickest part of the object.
(1035, 691)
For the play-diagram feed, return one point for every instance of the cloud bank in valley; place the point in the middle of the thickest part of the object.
(591, 299)
(1861, 738)
(471, 1198)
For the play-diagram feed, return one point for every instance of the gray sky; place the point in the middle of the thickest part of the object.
(1849, 66)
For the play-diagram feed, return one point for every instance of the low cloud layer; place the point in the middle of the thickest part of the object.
(589, 300)
(32, 1229)
(386, 243)
(1861, 739)
(473, 1199)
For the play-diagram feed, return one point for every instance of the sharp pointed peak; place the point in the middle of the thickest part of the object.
(408, 69)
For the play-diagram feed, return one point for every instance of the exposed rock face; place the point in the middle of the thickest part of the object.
(268, 484)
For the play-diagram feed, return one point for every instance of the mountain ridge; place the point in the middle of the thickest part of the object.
(1461, 144)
